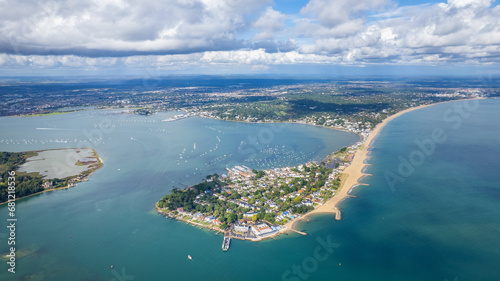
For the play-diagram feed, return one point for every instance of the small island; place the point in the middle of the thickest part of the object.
(46, 170)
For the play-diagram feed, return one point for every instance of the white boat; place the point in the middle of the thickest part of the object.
(226, 243)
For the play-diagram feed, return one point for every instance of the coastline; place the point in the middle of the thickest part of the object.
(354, 172)
(282, 122)
(85, 178)
(350, 179)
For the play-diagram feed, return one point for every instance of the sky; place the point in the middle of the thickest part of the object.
(332, 37)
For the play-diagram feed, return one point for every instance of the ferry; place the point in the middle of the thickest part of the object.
(226, 243)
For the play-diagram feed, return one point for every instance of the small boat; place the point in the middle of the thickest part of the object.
(189, 257)
(226, 243)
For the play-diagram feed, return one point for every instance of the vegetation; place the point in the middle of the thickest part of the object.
(241, 98)
(258, 174)
(212, 197)
(30, 183)
(302, 209)
(25, 184)
(144, 111)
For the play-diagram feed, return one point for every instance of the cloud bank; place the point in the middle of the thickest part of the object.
(175, 33)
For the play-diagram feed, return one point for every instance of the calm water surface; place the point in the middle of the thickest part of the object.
(77, 234)
(437, 222)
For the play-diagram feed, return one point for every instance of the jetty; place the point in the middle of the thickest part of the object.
(226, 243)
(299, 232)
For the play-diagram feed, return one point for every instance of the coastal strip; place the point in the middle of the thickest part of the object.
(83, 177)
(251, 222)
(354, 171)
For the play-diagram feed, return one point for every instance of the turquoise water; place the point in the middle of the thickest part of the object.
(438, 222)
(77, 234)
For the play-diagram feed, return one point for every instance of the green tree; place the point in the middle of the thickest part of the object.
(261, 215)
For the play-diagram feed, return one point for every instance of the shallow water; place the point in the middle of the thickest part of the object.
(77, 234)
(438, 222)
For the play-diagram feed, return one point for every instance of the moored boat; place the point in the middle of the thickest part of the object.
(226, 243)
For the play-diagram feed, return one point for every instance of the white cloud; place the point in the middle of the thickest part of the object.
(331, 13)
(456, 31)
(115, 27)
(91, 34)
(473, 3)
(269, 22)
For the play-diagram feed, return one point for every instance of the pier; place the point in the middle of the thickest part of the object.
(299, 232)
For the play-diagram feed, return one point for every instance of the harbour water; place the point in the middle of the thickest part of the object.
(110, 220)
(438, 222)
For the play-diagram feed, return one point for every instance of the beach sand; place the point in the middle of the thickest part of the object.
(354, 172)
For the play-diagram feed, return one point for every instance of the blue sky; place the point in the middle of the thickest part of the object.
(64, 37)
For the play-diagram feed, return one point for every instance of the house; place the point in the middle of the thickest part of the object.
(184, 213)
(199, 216)
(261, 229)
(209, 219)
(47, 184)
(271, 204)
(249, 214)
(350, 157)
(317, 200)
(243, 204)
(307, 202)
(241, 228)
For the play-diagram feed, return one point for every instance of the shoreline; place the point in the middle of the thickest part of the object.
(283, 122)
(352, 174)
(354, 171)
(85, 178)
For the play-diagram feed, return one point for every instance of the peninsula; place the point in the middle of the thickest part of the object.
(35, 172)
(255, 205)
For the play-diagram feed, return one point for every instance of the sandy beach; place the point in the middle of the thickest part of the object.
(354, 172)
(351, 175)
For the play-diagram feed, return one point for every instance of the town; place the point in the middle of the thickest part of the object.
(255, 205)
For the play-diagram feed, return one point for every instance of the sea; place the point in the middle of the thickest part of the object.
(429, 211)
